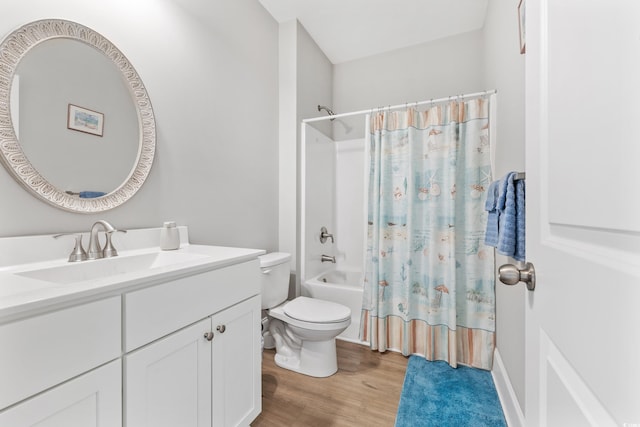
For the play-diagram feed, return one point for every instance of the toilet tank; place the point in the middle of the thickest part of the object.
(275, 278)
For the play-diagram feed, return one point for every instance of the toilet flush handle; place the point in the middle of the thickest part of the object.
(266, 271)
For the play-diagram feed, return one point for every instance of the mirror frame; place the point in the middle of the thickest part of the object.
(13, 48)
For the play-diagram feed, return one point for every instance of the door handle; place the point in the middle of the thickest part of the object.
(509, 274)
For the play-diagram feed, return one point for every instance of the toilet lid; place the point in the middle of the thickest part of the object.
(316, 310)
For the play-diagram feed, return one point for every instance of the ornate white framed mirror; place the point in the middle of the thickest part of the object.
(77, 128)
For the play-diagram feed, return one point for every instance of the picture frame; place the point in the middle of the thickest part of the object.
(84, 120)
(521, 26)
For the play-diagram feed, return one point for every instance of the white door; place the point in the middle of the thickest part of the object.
(236, 364)
(583, 212)
(168, 382)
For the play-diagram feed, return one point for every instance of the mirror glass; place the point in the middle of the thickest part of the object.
(77, 129)
(53, 75)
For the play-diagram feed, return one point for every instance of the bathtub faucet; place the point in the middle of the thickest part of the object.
(327, 258)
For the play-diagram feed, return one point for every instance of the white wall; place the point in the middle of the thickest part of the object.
(504, 71)
(350, 197)
(319, 201)
(210, 68)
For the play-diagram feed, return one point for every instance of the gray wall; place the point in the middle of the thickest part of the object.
(305, 81)
(504, 71)
(210, 68)
(444, 67)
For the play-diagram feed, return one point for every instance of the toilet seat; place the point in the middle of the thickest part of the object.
(316, 310)
(279, 313)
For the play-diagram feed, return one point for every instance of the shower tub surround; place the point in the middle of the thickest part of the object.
(333, 197)
(70, 329)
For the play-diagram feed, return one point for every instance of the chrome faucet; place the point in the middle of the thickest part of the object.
(324, 235)
(328, 258)
(95, 251)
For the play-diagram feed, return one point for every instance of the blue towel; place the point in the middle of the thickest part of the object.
(510, 208)
(91, 194)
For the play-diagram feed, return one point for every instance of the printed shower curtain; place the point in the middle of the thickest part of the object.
(429, 279)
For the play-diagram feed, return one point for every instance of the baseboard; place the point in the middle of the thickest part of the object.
(352, 340)
(510, 406)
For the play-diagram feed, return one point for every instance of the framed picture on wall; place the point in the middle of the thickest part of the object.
(85, 120)
(521, 26)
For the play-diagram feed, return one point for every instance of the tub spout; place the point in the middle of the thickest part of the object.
(328, 258)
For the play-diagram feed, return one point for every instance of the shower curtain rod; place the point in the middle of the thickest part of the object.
(395, 107)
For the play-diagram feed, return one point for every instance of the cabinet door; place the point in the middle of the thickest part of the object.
(168, 383)
(236, 362)
(45, 350)
(91, 400)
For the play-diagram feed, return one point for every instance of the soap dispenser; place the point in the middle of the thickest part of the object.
(169, 236)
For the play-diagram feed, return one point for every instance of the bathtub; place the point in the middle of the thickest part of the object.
(343, 287)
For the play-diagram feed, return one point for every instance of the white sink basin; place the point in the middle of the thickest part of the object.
(107, 267)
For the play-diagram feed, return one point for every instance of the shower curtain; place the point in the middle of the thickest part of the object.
(429, 278)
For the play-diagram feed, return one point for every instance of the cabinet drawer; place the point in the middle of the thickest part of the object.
(92, 399)
(157, 311)
(42, 351)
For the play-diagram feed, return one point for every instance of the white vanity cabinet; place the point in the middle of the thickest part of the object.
(237, 364)
(148, 338)
(48, 364)
(205, 369)
(168, 383)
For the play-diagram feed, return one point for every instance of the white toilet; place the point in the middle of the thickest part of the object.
(304, 329)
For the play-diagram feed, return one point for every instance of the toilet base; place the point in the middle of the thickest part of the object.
(313, 358)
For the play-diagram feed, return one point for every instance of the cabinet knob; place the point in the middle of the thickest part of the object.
(221, 328)
(208, 336)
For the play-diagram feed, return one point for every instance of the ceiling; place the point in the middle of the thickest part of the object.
(352, 29)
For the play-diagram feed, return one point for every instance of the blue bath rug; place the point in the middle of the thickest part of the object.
(435, 394)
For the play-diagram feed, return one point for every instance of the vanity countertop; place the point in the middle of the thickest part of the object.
(30, 288)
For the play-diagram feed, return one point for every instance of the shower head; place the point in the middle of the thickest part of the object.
(327, 109)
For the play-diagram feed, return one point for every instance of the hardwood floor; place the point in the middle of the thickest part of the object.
(364, 392)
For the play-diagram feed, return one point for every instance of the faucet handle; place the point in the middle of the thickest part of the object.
(324, 235)
(109, 250)
(78, 253)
